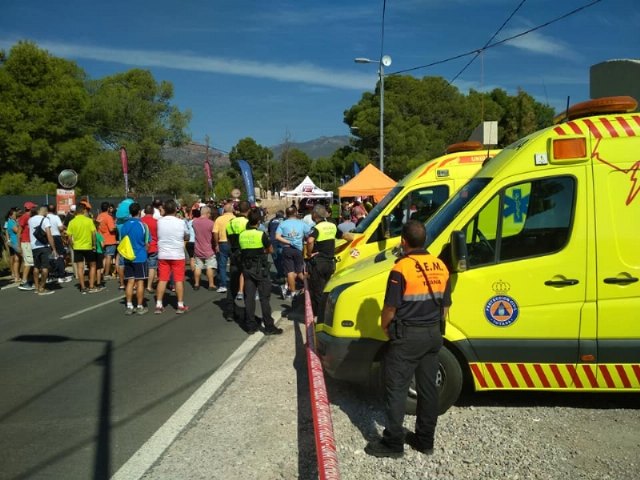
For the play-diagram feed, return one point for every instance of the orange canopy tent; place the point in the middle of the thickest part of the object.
(370, 182)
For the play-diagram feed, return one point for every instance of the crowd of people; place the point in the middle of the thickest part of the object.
(164, 238)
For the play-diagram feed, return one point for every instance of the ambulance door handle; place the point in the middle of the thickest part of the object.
(620, 281)
(561, 283)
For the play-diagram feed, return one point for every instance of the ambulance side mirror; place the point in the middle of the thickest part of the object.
(385, 226)
(459, 253)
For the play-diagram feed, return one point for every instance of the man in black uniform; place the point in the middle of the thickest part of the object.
(255, 247)
(321, 247)
(234, 228)
(418, 296)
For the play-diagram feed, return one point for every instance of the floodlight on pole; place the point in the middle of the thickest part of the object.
(384, 61)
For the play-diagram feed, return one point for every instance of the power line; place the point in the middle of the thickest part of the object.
(480, 50)
(488, 42)
(384, 9)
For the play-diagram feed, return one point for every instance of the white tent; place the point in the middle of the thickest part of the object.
(307, 189)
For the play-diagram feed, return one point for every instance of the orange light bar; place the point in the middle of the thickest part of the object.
(468, 146)
(569, 148)
(599, 106)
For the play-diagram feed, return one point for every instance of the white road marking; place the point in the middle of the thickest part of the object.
(92, 307)
(141, 461)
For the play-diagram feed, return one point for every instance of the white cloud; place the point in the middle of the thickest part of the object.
(305, 73)
(536, 42)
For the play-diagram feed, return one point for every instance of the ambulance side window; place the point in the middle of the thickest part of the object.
(535, 219)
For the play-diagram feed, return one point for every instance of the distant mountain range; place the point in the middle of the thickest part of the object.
(193, 154)
(316, 148)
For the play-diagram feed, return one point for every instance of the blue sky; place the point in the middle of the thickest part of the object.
(272, 68)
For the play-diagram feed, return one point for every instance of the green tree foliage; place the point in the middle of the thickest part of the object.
(43, 114)
(131, 109)
(19, 184)
(423, 116)
(256, 155)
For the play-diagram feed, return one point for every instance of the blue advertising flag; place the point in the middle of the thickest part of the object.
(356, 169)
(247, 176)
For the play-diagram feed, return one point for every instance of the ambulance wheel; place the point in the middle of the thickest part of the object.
(449, 382)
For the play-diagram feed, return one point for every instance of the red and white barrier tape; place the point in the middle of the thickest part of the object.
(322, 424)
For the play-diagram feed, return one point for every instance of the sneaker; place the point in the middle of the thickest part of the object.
(158, 310)
(283, 289)
(141, 310)
(411, 439)
(129, 311)
(45, 292)
(273, 331)
(222, 290)
(183, 309)
(95, 289)
(84, 291)
(26, 286)
(212, 289)
(68, 279)
(379, 448)
(196, 287)
(121, 287)
(61, 280)
(240, 296)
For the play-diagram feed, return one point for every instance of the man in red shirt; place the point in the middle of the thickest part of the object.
(152, 248)
(108, 231)
(30, 209)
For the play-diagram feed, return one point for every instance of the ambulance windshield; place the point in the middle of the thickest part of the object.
(375, 211)
(443, 217)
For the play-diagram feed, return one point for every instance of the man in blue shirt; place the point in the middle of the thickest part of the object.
(135, 271)
(291, 234)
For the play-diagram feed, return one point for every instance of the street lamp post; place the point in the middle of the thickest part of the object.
(385, 61)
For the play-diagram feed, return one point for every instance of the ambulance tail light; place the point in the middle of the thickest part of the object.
(568, 150)
(459, 252)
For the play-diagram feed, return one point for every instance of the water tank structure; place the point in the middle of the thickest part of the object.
(615, 77)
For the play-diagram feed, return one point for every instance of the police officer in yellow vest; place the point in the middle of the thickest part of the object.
(417, 299)
(255, 247)
(321, 246)
(235, 227)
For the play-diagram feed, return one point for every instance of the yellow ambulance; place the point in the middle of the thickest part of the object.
(416, 196)
(548, 300)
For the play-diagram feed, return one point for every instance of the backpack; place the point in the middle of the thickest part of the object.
(40, 234)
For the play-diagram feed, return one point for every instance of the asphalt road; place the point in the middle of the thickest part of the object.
(83, 386)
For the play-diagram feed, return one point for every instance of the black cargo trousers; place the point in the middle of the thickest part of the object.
(257, 279)
(411, 349)
(320, 271)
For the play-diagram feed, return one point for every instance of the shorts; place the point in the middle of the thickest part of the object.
(88, 256)
(210, 262)
(152, 260)
(190, 249)
(110, 250)
(27, 253)
(41, 258)
(168, 267)
(135, 271)
(12, 251)
(292, 260)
